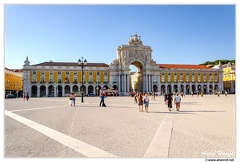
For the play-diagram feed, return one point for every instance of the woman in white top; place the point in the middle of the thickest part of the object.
(146, 102)
(177, 101)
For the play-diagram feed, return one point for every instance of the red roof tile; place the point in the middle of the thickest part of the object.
(15, 70)
(183, 66)
(71, 64)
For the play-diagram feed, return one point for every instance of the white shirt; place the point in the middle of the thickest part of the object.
(177, 98)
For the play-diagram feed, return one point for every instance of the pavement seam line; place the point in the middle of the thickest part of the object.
(38, 108)
(75, 144)
(159, 146)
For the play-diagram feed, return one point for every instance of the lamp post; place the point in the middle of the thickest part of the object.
(97, 85)
(81, 62)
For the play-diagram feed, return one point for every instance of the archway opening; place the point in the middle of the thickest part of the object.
(136, 80)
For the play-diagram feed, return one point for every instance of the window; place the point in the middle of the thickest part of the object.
(193, 77)
(59, 79)
(90, 78)
(98, 78)
(154, 80)
(162, 77)
(98, 73)
(75, 79)
(51, 72)
(34, 72)
(75, 73)
(67, 72)
(51, 79)
(90, 73)
(169, 77)
(34, 78)
(42, 79)
(59, 73)
(105, 79)
(175, 77)
(115, 79)
(105, 73)
(42, 72)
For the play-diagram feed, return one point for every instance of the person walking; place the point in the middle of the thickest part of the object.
(71, 99)
(27, 97)
(202, 94)
(24, 96)
(177, 101)
(146, 102)
(102, 96)
(140, 102)
(170, 98)
(135, 98)
(226, 93)
(165, 98)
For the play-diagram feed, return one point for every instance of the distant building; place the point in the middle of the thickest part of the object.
(229, 77)
(62, 78)
(13, 81)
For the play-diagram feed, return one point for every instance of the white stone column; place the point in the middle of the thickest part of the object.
(63, 90)
(119, 84)
(159, 83)
(146, 83)
(55, 90)
(86, 89)
(46, 95)
(38, 91)
(128, 83)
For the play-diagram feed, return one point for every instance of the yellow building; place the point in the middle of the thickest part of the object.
(62, 78)
(229, 78)
(13, 81)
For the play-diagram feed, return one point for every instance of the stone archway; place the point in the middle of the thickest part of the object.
(34, 91)
(140, 56)
(51, 91)
(163, 88)
(90, 89)
(155, 88)
(42, 91)
(67, 89)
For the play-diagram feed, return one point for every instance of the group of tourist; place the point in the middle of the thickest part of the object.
(72, 99)
(144, 100)
(168, 98)
(140, 100)
(25, 96)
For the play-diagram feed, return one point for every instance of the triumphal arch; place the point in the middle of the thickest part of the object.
(139, 55)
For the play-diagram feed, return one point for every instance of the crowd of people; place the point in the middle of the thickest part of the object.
(143, 99)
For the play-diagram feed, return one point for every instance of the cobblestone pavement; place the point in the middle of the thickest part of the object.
(50, 127)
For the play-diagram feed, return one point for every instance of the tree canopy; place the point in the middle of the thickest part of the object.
(216, 62)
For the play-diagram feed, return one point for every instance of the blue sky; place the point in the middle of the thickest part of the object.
(177, 34)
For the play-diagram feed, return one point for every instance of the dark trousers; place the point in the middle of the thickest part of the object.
(101, 102)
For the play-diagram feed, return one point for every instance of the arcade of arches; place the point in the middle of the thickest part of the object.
(62, 78)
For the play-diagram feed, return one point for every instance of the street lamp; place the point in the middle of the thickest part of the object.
(81, 62)
(97, 85)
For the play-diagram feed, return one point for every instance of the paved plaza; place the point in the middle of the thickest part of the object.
(49, 127)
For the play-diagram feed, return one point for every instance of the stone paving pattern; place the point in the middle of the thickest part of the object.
(204, 127)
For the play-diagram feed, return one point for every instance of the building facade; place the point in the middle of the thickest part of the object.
(61, 78)
(13, 81)
(229, 78)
